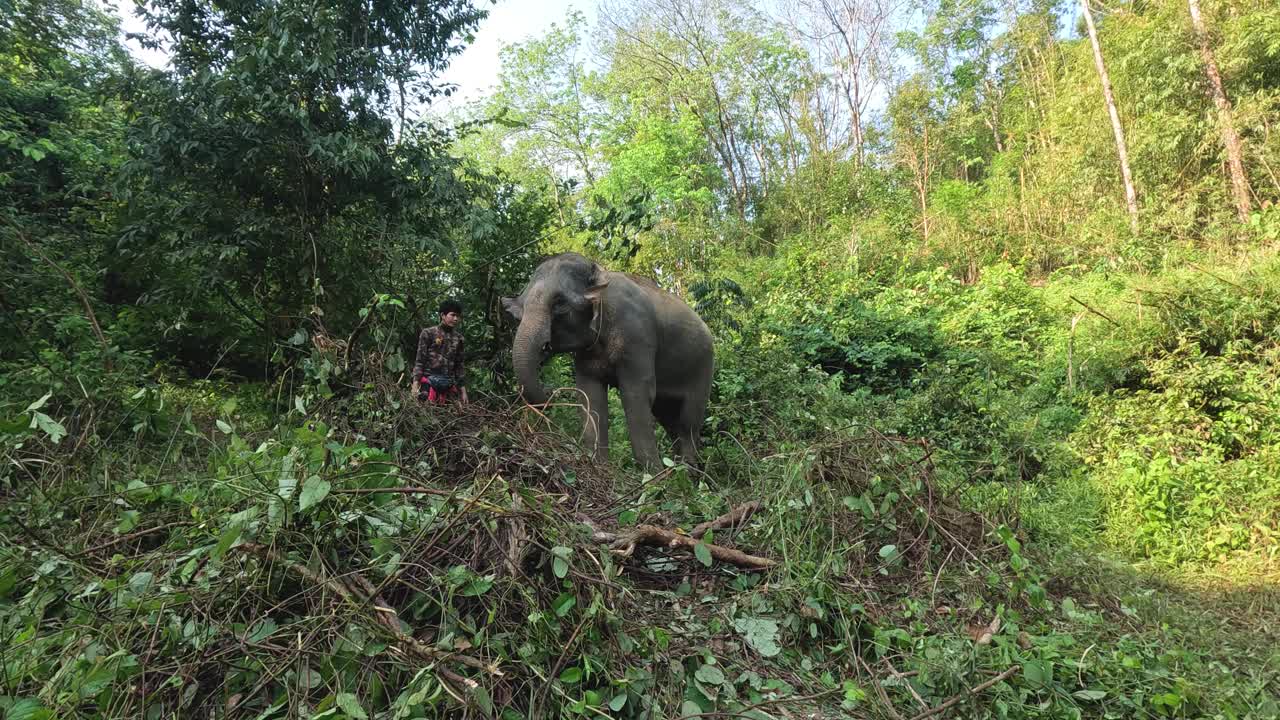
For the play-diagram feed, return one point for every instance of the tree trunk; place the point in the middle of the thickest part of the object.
(922, 185)
(1131, 197)
(1230, 139)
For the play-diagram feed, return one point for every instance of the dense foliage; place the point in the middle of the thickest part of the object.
(1017, 445)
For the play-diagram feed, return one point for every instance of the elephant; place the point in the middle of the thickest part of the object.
(624, 332)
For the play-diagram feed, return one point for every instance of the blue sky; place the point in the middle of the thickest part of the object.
(476, 70)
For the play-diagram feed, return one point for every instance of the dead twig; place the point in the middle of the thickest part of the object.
(902, 679)
(968, 693)
(384, 614)
(1093, 310)
(1219, 278)
(133, 536)
(884, 696)
(399, 490)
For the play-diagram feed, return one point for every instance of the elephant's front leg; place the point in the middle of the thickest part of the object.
(595, 415)
(637, 403)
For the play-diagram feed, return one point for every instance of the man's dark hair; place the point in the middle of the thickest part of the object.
(449, 306)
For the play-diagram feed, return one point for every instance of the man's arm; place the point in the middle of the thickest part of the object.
(459, 366)
(420, 358)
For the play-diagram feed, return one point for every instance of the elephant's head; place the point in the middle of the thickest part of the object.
(558, 312)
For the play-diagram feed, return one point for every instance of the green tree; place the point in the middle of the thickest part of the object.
(267, 176)
(61, 131)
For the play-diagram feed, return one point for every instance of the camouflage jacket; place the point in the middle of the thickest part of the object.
(440, 353)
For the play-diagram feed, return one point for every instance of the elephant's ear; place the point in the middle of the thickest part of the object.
(599, 281)
(513, 306)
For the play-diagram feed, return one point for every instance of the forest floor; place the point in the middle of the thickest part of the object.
(429, 562)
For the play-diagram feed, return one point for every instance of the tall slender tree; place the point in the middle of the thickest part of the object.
(1226, 126)
(1130, 195)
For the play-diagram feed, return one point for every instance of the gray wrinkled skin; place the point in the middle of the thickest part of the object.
(624, 332)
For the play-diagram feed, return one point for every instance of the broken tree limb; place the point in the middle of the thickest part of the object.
(625, 543)
(734, 518)
(653, 536)
(658, 537)
(384, 615)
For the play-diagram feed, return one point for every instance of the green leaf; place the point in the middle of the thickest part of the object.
(262, 630)
(482, 699)
(287, 484)
(36, 406)
(689, 707)
(313, 491)
(760, 633)
(351, 706)
(1037, 673)
(477, 586)
(226, 540)
(701, 552)
(128, 520)
(710, 674)
(140, 582)
(888, 552)
(223, 426)
(618, 702)
(571, 676)
(28, 709)
(563, 604)
(559, 566)
(51, 427)
(1090, 694)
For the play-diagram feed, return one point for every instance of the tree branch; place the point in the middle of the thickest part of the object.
(734, 518)
(84, 298)
(970, 692)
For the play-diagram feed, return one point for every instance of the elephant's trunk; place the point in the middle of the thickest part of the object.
(527, 355)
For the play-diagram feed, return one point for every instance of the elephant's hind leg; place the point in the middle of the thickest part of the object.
(667, 410)
(689, 426)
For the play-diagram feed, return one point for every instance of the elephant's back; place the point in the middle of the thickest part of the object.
(669, 311)
(684, 351)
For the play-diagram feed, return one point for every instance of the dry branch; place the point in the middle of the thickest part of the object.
(394, 490)
(968, 693)
(734, 518)
(133, 536)
(384, 614)
(84, 298)
(1094, 310)
(624, 544)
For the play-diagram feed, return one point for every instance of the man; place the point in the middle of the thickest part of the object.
(438, 364)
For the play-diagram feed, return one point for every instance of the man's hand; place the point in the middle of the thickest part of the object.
(464, 396)
(416, 386)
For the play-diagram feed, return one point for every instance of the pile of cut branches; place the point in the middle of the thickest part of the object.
(385, 558)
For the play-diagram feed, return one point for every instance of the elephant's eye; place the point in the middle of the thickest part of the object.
(560, 307)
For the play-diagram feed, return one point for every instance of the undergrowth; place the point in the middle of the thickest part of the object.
(372, 558)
